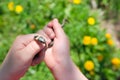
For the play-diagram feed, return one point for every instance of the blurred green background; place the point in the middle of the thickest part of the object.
(92, 48)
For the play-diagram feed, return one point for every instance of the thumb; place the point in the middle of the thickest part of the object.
(57, 28)
(32, 49)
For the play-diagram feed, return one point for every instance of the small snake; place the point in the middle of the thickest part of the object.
(42, 40)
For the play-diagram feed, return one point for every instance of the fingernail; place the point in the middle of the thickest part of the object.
(55, 20)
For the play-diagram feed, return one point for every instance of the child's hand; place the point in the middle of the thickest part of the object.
(25, 48)
(21, 56)
(59, 52)
(57, 57)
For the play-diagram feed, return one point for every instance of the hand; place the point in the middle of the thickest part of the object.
(59, 52)
(57, 57)
(21, 56)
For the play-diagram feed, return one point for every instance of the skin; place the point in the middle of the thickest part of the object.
(57, 58)
(22, 55)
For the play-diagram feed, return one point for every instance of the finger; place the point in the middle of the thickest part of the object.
(23, 40)
(31, 46)
(38, 58)
(49, 31)
(50, 24)
(48, 40)
(57, 28)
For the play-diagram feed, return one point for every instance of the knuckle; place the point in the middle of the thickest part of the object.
(33, 48)
(52, 35)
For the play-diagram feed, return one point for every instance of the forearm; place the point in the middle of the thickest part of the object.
(5, 75)
(67, 71)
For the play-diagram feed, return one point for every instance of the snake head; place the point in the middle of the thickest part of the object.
(40, 39)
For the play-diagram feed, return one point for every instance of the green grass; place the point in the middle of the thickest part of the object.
(39, 13)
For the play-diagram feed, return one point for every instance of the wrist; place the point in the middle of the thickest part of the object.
(67, 71)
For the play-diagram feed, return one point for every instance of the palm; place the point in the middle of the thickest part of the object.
(53, 55)
(50, 56)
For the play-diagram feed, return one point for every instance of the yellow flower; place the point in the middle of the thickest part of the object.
(76, 1)
(89, 65)
(91, 21)
(11, 6)
(110, 42)
(94, 41)
(32, 26)
(18, 9)
(100, 57)
(115, 61)
(86, 40)
(108, 36)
